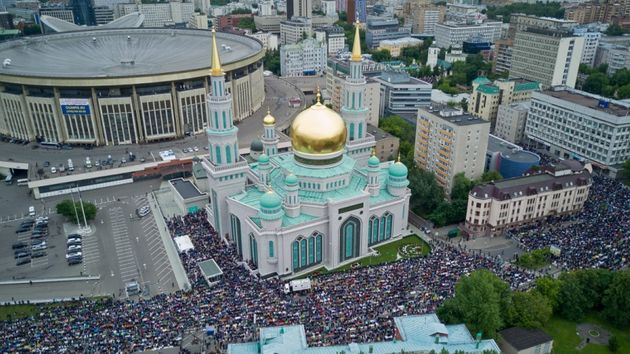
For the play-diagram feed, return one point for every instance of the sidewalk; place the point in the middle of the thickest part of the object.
(50, 280)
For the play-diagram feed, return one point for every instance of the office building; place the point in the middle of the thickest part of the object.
(520, 22)
(308, 57)
(615, 55)
(402, 94)
(360, 11)
(299, 8)
(557, 190)
(265, 8)
(341, 5)
(591, 43)
(296, 29)
(333, 36)
(508, 159)
(451, 34)
(269, 23)
(576, 124)
(160, 14)
(487, 97)
(379, 29)
(449, 142)
(198, 21)
(329, 8)
(549, 57)
(396, 46)
(416, 334)
(83, 11)
(387, 145)
(268, 40)
(335, 78)
(511, 119)
(103, 15)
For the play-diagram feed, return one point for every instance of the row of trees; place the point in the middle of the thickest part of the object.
(485, 303)
(550, 9)
(600, 83)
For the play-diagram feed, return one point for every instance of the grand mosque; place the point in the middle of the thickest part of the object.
(326, 202)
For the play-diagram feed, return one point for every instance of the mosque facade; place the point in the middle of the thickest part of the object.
(326, 202)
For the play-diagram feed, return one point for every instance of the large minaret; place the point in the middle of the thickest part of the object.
(225, 169)
(354, 110)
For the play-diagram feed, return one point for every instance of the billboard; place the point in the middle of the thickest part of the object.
(75, 106)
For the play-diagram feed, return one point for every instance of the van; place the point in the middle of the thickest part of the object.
(31, 211)
(70, 165)
(133, 288)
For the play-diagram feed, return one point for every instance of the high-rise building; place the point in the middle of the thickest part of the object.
(449, 142)
(402, 94)
(591, 43)
(265, 8)
(103, 15)
(379, 29)
(511, 119)
(333, 36)
(557, 190)
(296, 29)
(451, 34)
(487, 97)
(307, 57)
(550, 57)
(575, 124)
(329, 7)
(83, 12)
(423, 15)
(299, 8)
(502, 60)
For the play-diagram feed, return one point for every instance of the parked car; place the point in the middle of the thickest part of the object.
(46, 163)
(23, 260)
(38, 253)
(41, 246)
(74, 236)
(74, 248)
(195, 149)
(19, 245)
(37, 242)
(21, 253)
(74, 261)
(73, 254)
(53, 169)
(74, 241)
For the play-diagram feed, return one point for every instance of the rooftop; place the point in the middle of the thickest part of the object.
(396, 77)
(511, 151)
(585, 99)
(114, 53)
(185, 188)
(521, 338)
(379, 133)
(210, 268)
(453, 116)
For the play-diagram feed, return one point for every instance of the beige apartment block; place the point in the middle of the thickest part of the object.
(486, 96)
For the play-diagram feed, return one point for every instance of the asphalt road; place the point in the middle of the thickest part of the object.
(278, 93)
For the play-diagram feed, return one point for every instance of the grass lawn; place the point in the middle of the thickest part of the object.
(565, 336)
(17, 311)
(387, 253)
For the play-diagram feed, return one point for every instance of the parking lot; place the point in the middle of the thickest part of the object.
(122, 248)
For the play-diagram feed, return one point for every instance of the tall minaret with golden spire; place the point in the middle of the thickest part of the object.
(225, 170)
(354, 108)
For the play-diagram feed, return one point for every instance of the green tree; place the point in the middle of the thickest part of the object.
(621, 77)
(623, 92)
(490, 176)
(549, 288)
(613, 344)
(572, 302)
(381, 55)
(480, 299)
(616, 299)
(272, 61)
(615, 30)
(398, 127)
(625, 173)
(464, 104)
(426, 194)
(67, 209)
(595, 83)
(461, 187)
(528, 309)
(247, 23)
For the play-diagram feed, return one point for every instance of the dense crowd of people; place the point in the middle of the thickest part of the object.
(353, 306)
(596, 237)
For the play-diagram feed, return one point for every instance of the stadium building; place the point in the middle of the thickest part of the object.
(121, 86)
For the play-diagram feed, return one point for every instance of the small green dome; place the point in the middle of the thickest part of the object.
(256, 145)
(291, 179)
(263, 158)
(270, 200)
(373, 161)
(398, 169)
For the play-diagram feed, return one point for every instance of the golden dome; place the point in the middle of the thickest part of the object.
(269, 119)
(318, 130)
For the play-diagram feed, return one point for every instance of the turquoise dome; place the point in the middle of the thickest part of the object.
(270, 200)
(263, 158)
(291, 179)
(398, 169)
(373, 161)
(256, 145)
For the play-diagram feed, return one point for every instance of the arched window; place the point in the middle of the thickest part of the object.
(351, 132)
(253, 249)
(271, 250)
(217, 151)
(373, 231)
(296, 254)
(349, 238)
(216, 120)
(303, 253)
(311, 250)
(388, 226)
(381, 234)
(228, 154)
(224, 120)
(319, 240)
(360, 134)
(235, 224)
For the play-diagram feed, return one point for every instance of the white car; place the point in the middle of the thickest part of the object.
(53, 169)
(74, 241)
(196, 148)
(40, 246)
(74, 248)
(74, 254)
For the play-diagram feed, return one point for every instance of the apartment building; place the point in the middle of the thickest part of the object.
(299, 8)
(575, 124)
(294, 30)
(387, 145)
(402, 94)
(520, 22)
(60, 12)
(103, 15)
(502, 60)
(591, 43)
(334, 87)
(451, 34)
(449, 142)
(307, 57)
(549, 57)
(511, 119)
(603, 11)
(487, 96)
(557, 190)
(423, 16)
(333, 36)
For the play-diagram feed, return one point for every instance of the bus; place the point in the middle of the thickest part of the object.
(22, 182)
(50, 145)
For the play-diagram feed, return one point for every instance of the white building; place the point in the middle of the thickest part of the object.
(402, 94)
(576, 124)
(616, 56)
(451, 34)
(511, 119)
(160, 14)
(295, 29)
(265, 8)
(329, 8)
(307, 57)
(322, 204)
(432, 58)
(591, 43)
(333, 36)
(198, 21)
(557, 190)
(269, 40)
(335, 82)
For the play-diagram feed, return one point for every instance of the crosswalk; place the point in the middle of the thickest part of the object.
(127, 263)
